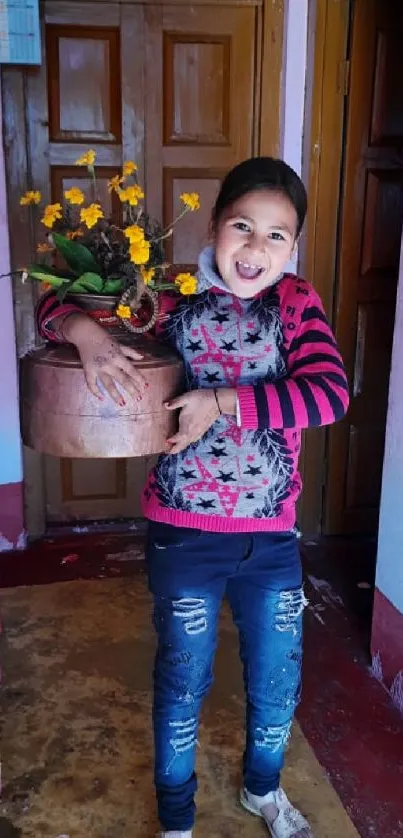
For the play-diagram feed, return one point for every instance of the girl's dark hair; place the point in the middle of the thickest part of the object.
(262, 173)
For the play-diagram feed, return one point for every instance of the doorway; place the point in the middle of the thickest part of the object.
(354, 169)
(353, 244)
(368, 263)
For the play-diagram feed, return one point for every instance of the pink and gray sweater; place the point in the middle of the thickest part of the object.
(279, 352)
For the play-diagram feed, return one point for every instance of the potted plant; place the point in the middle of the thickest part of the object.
(114, 271)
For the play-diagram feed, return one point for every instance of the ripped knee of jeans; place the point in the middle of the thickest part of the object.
(192, 611)
(183, 735)
(183, 738)
(290, 607)
(273, 737)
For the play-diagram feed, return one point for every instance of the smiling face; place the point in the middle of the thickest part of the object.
(254, 240)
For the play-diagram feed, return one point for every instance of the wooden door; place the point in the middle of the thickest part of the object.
(369, 246)
(172, 87)
(197, 125)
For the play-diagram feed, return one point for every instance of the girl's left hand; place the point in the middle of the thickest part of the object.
(199, 410)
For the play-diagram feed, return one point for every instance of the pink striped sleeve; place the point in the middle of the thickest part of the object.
(47, 311)
(315, 390)
(276, 413)
(317, 397)
(299, 405)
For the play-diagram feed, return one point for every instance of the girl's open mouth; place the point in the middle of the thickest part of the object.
(248, 272)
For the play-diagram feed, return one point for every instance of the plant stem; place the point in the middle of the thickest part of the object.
(169, 230)
(12, 273)
(107, 242)
(95, 194)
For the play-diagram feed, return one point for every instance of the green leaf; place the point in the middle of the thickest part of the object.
(89, 283)
(78, 257)
(112, 287)
(77, 288)
(45, 274)
(62, 291)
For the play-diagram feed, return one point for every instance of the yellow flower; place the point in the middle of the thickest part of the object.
(191, 200)
(74, 234)
(75, 196)
(51, 214)
(30, 198)
(140, 252)
(124, 312)
(133, 194)
(187, 283)
(181, 278)
(87, 159)
(134, 233)
(44, 247)
(90, 215)
(189, 287)
(147, 275)
(128, 168)
(114, 183)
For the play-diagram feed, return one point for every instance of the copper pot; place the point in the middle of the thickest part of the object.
(60, 416)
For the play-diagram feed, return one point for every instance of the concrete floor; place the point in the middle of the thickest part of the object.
(77, 749)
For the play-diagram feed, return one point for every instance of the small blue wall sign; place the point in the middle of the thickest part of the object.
(20, 39)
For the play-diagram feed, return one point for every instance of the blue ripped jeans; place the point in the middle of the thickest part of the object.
(189, 573)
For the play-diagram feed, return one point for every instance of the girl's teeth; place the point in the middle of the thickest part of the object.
(247, 271)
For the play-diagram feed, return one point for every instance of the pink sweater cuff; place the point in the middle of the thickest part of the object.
(247, 408)
(45, 326)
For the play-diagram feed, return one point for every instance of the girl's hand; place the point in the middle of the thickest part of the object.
(199, 410)
(104, 359)
(110, 362)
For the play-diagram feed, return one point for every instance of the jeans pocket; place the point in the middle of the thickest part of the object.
(164, 536)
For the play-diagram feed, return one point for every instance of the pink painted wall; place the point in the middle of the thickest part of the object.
(11, 495)
(387, 630)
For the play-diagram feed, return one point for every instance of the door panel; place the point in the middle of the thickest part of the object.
(196, 121)
(179, 76)
(96, 489)
(83, 79)
(371, 224)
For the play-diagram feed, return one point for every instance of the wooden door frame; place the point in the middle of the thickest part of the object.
(327, 88)
(16, 82)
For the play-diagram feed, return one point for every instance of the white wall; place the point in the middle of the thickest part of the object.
(294, 74)
(10, 444)
(389, 578)
(295, 36)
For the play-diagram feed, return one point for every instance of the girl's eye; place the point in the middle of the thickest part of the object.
(277, 237)
(241, 225)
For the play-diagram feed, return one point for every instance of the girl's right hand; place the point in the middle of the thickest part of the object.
(104, 360)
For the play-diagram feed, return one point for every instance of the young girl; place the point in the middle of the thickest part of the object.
(261, 364)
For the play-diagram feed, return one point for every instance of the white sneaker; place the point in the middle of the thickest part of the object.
(177, 834)
(289, 821)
